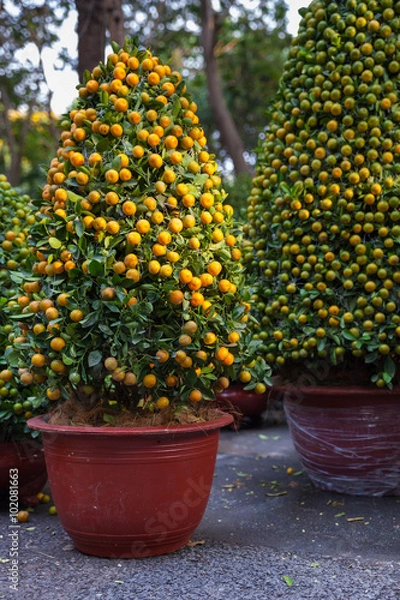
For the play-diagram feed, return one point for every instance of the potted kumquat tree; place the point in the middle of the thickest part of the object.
(18, 448)
(142, 319)
(323, 244)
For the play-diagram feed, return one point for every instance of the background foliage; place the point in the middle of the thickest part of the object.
(250, 45)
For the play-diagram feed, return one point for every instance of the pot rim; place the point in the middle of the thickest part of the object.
(40, 423)
(335, 390)
(239, 387)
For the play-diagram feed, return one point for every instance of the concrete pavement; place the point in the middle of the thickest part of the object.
(266, 535)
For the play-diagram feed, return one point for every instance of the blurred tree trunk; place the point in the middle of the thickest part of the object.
(230, 137)
(91, 34)
(115, 21)
(95, 18)
(15, 139)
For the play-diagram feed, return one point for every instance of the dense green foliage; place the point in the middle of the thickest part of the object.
(137, 259)
(324, 229)
(16, 401)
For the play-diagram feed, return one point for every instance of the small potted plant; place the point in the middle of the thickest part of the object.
(18, 447)
(323, 244)
(142, 317)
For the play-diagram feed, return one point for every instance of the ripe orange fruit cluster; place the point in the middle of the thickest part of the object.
(136, 252)
(324, 212)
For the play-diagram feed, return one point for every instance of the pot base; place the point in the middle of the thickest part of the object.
(127, 546)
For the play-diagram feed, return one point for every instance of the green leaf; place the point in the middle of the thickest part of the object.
(102, 145)
(12, 357)
(176, 107)
(200, 180)
(105, 329)
(90, 319)
(104, 97)
(94, 358)
(288, 580)
(370, 358)
(112, 307)
(73, 197)
(348, 336)
(87, 75)
(78, 209)
(390, 366)
(82, 243)
(55, 243)
(387, 378)
(333, 356)
(180, 87)
(95, 268)
(116, 163)
(67, 360)
(110, 419)
(116, 47)
(79, 228)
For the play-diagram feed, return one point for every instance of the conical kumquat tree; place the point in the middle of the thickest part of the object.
(323, 234)
(137, 255)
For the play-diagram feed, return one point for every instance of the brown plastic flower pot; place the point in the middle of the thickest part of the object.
(28, 457)
(130, 491)
(348, 439)
(247, 402)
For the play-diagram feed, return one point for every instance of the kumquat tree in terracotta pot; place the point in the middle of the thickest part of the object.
(18, 448)
(323, 243)
(142, 318)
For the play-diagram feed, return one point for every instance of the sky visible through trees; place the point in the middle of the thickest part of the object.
(41, 54)
(63, 95)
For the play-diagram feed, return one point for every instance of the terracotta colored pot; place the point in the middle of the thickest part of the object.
(28, 457)
(348, 439)
(130, 492)
(247, 402)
